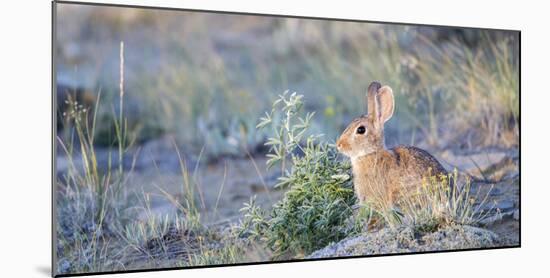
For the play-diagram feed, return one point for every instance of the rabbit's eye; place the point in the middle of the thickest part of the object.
(361, 130)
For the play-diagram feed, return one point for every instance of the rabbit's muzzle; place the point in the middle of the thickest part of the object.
(342, 146)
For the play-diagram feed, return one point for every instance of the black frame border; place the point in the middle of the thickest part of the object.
(54, 132)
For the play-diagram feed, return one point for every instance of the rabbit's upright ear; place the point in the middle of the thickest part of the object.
(386, 104)
(372, 105)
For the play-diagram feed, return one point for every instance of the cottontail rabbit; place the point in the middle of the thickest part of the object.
(381, 176)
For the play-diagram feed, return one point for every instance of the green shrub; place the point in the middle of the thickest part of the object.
(315, 209)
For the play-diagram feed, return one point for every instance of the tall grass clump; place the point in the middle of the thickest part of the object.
(315, 209)
(473, 90)
(439, 202)
(90, 200)
(493, 93)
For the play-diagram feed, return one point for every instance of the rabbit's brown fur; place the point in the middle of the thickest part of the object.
(381, 175)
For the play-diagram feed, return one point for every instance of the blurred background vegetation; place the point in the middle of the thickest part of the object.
(206, 78)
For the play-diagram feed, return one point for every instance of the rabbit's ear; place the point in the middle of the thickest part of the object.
(386, 104)
(372, 105)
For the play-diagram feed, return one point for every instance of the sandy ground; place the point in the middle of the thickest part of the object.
(222, 188)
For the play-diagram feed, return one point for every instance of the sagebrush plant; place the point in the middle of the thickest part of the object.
(288, 129)
(315, 209)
